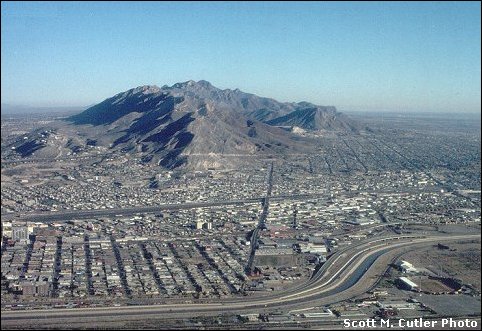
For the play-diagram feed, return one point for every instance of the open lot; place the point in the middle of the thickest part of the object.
(463, 263)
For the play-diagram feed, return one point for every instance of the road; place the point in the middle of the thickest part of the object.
(261, 222)
(340, 280)
(67, 215)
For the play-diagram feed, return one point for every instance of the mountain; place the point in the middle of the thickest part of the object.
(311, 117)
(196, 125)
(191, 96)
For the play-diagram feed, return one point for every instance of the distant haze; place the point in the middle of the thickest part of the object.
(370, 56)
(20, 109)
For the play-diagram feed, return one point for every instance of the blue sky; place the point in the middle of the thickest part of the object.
(375, 56)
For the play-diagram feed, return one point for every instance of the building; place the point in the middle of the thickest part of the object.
(19, 232)
(35, 288)
(207, 226)
(407, 284)
(406, 267)
(7, 229)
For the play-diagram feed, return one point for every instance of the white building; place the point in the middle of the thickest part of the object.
(406, 267)
(408, 283)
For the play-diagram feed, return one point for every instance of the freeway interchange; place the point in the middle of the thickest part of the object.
(348, 273)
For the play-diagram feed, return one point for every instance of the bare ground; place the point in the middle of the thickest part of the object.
(463, 263)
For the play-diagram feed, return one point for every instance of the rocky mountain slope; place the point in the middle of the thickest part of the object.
(196, 125)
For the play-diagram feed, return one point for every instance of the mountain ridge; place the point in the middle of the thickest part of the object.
(195, 124)
(253, 106)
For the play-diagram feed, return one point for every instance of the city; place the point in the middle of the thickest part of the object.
(240, 165)
(173, 238)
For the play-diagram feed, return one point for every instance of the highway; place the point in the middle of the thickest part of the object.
(261, 222)
(342, 278)
(67, 215)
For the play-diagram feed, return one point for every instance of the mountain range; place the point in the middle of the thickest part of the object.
(196, 125)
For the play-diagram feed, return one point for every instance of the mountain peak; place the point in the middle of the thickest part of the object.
(204, 83)
(193, 84)
(196, 124)
(144, 89)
